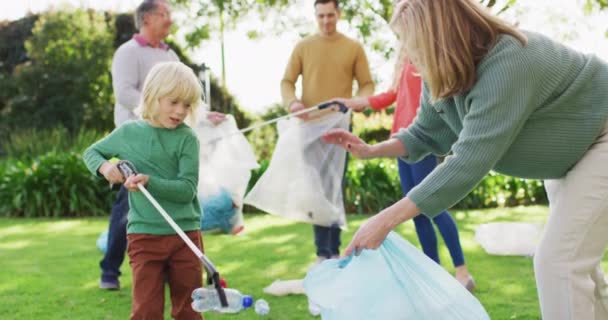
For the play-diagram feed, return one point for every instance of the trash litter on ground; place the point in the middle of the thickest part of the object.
(508, 238)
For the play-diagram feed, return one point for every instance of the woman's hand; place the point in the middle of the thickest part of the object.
(349, 142)
(111, 172)
(132, 181)
(391, 148)
(372, 233)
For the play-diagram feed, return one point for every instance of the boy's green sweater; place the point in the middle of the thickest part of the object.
(533, 112)
(170, 158)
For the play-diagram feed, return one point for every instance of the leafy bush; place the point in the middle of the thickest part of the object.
(371, 185)
(30, 143)
(52, 185)
(58, 184)
(497, 190)
(263, 140)
(12, 39)
(373, 127)
(67, 80)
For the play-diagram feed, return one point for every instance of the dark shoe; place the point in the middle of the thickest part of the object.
(109, 284)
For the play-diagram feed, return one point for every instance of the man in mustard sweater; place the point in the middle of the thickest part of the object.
(328, 62)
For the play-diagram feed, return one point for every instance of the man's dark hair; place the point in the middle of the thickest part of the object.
(146, 6)
(335, 2)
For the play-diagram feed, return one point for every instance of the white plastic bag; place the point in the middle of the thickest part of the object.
(394, 282)
(508, 238)
(226, 161)
(303, 181)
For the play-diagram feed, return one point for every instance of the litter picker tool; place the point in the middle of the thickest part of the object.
(325, 105)
(127, 169)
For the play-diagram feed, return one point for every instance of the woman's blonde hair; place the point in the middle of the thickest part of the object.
(446, 39)
(173, 80)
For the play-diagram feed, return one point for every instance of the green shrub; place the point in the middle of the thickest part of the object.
(12, 38)
(52, 185)
(255, 176)
(373, 127)
(67, 79)
(497, 190)
(58, 184)
(371, 185)
(31, 143)
(263, 140)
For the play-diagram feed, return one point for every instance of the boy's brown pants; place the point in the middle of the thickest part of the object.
(152, 257)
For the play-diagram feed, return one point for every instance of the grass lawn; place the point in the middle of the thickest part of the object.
(49, 268)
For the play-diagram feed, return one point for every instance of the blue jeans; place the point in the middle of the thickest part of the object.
(411, 175)
(117, 238)
(327, 240)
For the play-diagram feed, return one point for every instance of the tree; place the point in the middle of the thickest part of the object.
(65, 78)
(369, 18)
(602, 3)
(217, 16)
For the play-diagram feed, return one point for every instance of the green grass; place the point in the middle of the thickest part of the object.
(49, 268)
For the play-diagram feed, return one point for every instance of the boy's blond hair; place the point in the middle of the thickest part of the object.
(173, 80)
(446, 39)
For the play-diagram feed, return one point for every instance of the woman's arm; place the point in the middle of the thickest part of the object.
(391, 148)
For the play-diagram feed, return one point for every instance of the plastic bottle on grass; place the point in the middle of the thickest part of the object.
(262, 307)
(207, 299)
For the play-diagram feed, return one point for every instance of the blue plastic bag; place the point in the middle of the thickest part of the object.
(102, 241)
(396, 281)
(218, 212)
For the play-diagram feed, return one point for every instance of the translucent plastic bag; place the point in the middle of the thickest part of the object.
(508, 238)
(395, 282)
(226, 161)
(304, 179)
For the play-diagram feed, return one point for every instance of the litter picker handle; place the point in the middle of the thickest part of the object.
(342, 107)
(128, 169)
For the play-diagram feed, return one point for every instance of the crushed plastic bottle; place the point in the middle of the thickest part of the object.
(207, 299)
(262, 307)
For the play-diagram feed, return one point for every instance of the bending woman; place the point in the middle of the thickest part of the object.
(405, 91)
(497, 98)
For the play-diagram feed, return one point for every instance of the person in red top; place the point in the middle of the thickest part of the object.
(405, 90)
